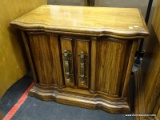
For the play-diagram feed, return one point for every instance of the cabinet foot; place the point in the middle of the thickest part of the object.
(80, 100)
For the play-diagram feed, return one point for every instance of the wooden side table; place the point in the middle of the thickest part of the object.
(82, 56)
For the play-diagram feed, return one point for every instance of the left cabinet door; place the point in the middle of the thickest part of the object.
(67, 58)
(44, 50)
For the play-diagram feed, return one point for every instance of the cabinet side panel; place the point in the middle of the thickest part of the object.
(44, 49)
(130, 62)
(57, 66)
(27, 47)
(110, 65)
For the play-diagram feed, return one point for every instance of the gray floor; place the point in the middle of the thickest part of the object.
(34, 109)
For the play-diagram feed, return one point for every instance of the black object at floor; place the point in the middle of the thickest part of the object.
(34, 109)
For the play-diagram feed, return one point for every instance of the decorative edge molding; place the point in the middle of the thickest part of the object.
(81, 101)
(81, 31)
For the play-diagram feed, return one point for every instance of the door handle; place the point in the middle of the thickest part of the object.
(83, 63)
(67, 65)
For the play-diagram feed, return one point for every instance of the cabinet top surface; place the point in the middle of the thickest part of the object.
(97, 21)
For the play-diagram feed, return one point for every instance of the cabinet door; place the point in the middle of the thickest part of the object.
(111, 59)
(46, 58)
(67, 58)
(82, 63)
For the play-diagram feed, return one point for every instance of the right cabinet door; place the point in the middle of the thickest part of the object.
(111, 57)
(82, 63)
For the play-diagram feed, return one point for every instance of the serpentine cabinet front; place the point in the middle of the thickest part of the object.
(84, 71)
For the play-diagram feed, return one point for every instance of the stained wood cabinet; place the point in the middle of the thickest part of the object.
(80, 57)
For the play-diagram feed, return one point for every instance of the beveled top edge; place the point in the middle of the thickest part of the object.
(83, 31)
(94, 31)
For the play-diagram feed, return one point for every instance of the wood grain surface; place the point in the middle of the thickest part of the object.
(156, 20)
(116, 105)
(83, 66)
(110, 65)
(97, 21)
(66, 44)
(149, 87)
(139, 106)
(151, 74)
(45, 53)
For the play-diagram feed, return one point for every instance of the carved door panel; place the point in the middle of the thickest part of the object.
(67, 58)
(111, 60)
(75, 57)
(82, 63)
(45, 54)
